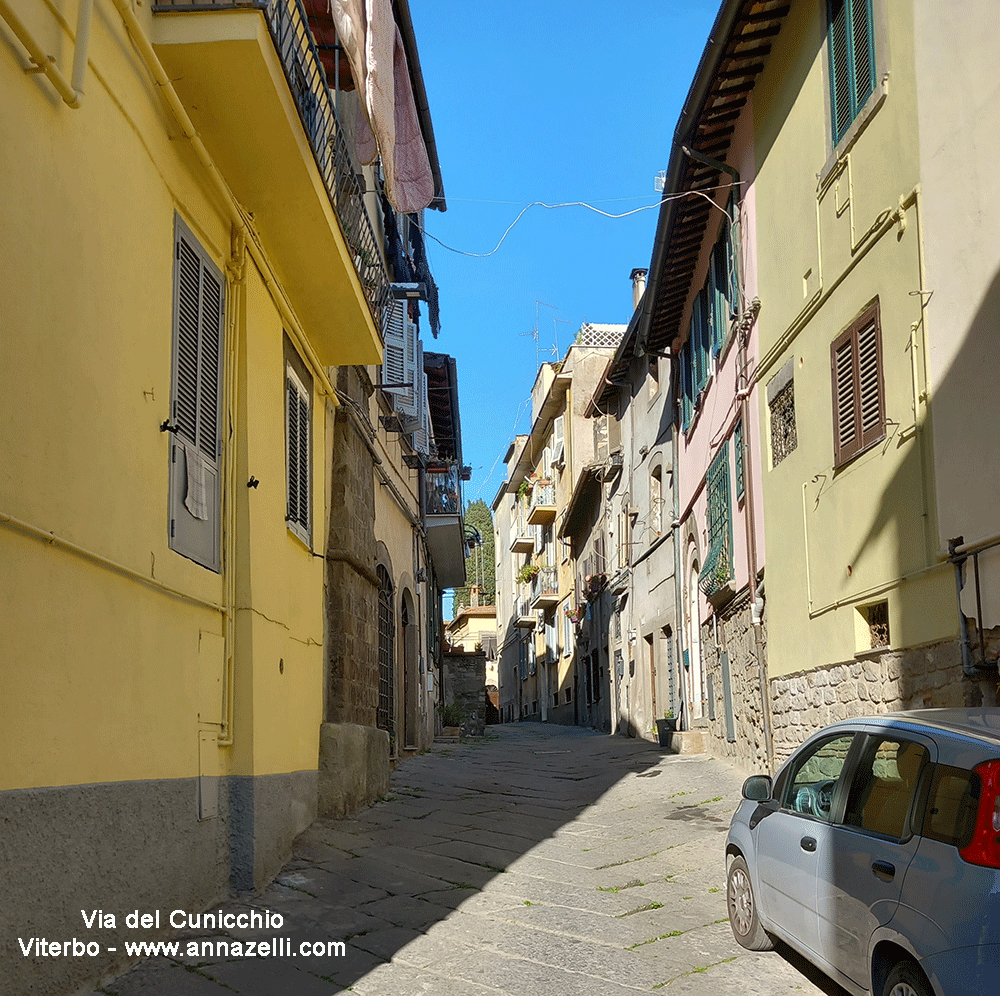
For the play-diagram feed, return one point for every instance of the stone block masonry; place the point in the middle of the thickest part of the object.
(922, 677)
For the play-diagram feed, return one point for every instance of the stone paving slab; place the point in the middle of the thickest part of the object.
(541, 861)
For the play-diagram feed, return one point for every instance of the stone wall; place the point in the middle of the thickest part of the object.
(465, 685)
(733, 643)
(352, 584)
(354, 755)
(922, 677)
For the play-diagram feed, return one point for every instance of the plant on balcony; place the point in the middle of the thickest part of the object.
(527, 573)
(524, 489)
(595, 582)
(576, 613)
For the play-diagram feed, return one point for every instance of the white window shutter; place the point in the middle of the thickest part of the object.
(558, 440)
(298, 455)
(406, 398)
(393, 366)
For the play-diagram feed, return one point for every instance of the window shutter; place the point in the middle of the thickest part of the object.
(732, 244)
(720, 290)
(194, 492)
(863, 45)
(852, 60)
(738, 457)
(558, 442)
(858, 392)
(687, 382)
(705, 342)
(840, 71)
(395, 346)
(297, 442)
(845, 417)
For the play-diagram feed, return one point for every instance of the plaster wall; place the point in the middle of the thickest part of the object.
(956, 90)
(860, 533)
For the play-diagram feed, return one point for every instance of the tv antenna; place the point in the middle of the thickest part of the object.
(534, 334)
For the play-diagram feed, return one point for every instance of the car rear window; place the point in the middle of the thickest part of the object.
(952, 805)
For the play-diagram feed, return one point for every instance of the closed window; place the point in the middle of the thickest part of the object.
(858, 391)
(810, 786)
(852, 61)
(195, 496)
(952, 806)
(884, 786)
(298, 424)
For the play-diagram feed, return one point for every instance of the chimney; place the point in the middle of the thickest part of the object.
(638, 286)
(474, 597)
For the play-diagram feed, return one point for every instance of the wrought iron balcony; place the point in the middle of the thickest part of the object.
(288, 25)
(543, 503)
(522, 537)
(545, 587)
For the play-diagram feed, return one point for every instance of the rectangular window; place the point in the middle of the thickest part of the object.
(687, 384)
(884, 786)
(858, 391)
(297, 451)
(195, 497)
(781, 413)
(852, 61)
(718, 567)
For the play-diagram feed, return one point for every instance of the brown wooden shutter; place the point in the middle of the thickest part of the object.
(858, 392)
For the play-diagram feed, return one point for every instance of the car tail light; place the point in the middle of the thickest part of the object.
(984, 848)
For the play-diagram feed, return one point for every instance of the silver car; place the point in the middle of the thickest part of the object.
(875, 853)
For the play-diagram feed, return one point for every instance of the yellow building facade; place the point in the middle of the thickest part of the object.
(178, 286)
(861, 601)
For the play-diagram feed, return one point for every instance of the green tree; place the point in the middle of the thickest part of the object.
(480, 565)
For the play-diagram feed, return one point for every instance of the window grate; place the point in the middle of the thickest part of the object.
(877, 616)
(784, 438)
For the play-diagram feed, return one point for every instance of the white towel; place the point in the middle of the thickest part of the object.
(196, 498)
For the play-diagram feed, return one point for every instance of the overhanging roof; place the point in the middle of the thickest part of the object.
(734, 56)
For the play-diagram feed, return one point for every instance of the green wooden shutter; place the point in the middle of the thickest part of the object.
(738, 457)
(704, 336)
(852, 60)
(196, 401)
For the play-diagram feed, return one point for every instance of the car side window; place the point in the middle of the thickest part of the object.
(884, 786)
(952, 805)
(810, 783)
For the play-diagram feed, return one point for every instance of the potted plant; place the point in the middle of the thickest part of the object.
(576, 613)
(524, 490)
(527, 573)
(666, 728)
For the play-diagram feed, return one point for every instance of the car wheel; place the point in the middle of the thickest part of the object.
(743, 910)
(906, 979)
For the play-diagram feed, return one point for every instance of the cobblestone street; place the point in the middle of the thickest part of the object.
(540, 860)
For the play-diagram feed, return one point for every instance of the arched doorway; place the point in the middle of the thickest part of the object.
(408, 621)
(386, 714)
(694, 669)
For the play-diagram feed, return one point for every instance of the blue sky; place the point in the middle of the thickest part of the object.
(553, 101)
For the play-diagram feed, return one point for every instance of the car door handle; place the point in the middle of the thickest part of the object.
(884, 870)
(808, 843)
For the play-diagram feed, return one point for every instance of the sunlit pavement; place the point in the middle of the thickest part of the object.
(541, 860)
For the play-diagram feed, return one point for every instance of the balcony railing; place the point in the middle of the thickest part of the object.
(293, 40)
(543, 503)
(545, 585)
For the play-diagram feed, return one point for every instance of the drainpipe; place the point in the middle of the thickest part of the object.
(968, 668)
(675, 528)
(70, 91)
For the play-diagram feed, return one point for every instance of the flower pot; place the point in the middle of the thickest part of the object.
(665, 729)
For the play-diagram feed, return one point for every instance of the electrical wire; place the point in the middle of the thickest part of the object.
(583, 204)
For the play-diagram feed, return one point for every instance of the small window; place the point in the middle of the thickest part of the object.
(811, 783)
(858, 391)
(884, 786)
(297, 442)
(852, 61)
(654, 375)
(781, 414)
(876, 618)
(655, 503)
